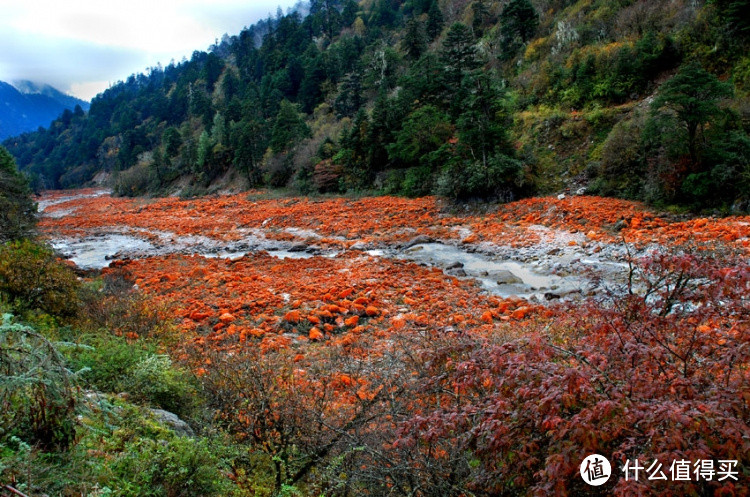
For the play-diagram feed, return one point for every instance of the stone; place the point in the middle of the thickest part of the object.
(505, 277)
(170, 419)
(417, 240)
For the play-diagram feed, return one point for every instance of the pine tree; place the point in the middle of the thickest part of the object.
(288, 129)
(415, 39)
(17, 210)
(435, 20)
(459, 56)
(481, 16)
(693, 95)
(518, 23)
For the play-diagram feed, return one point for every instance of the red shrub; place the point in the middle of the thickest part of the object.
(659, 371)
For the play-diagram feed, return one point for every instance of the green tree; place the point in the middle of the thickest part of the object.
(172, 141)
(415, 39)
(349, 99)
(483, 164)
(732, 12)
(518, 23)
(459, 56)
(481, 18)
(435, 20)
(288, 128)
(326, 14)
(423, 131)
(355, 152)
(249, 140)
(693, 96)
(17, 210)
(205, 146)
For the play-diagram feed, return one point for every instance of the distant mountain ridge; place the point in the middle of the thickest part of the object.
(25, 105)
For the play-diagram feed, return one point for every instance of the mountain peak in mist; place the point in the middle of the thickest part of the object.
(25, 106)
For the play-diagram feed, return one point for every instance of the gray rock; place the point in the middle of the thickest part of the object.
(297, 247)
(170, 419)
(456, 272)
(505, 277)
(417, 240)
(456, 265)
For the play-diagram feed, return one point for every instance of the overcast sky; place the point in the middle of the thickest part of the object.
(82, 46)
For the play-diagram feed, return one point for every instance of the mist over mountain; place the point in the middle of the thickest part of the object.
(25, 106)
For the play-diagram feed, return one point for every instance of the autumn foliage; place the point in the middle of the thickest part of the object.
(355, 374)
(659, 373)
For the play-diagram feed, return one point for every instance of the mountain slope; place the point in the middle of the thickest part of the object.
(31, 88)
(27, 106)
(465, 99)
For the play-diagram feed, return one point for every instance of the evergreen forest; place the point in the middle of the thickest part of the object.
(637, 99)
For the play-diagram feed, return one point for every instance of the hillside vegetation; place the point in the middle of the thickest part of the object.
(640, 99)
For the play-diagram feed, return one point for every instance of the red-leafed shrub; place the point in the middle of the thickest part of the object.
(327, 176)
(657, 371)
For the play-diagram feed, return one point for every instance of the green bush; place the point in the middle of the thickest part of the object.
(37, 392)
(177, 466)
(156, 381)
(107, 359)
(32, 278)
(114, 364)
(498, 177)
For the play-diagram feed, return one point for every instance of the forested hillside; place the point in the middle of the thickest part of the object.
(640, 99)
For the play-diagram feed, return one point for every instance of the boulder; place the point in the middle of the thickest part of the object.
(171, 420)
(417, 240)
(505, 277)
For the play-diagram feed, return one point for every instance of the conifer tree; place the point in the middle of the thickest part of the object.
(17, 210)
(435, 20)
(693, 95)
(415, 39)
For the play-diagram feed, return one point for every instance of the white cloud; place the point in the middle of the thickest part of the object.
(87, 90)
(79, 44)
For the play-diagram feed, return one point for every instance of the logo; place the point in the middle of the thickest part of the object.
(595, 470)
